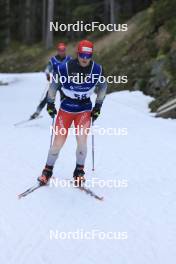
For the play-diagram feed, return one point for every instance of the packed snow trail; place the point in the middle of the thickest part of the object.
(145, 209)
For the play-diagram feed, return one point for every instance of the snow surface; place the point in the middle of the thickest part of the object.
(146, 209)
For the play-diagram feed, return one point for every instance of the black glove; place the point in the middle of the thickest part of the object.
(48, 77)
(95, 112)
(51, 109)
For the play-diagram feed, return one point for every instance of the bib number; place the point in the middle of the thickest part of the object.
(80, 97)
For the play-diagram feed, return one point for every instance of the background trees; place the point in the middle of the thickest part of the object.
(27, 21)
(4, 23)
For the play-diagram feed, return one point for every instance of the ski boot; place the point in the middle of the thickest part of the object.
(34, 115)
(78, 176)
(46, 175)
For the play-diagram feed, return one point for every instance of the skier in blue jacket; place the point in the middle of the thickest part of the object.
(51, 67)
(75, 107)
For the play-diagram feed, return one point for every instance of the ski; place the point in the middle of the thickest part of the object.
(81, 188)
(88, 191)
(30, 190)
(27, 120)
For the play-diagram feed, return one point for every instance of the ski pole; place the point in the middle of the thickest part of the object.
(51, 140)
(44, 92)
(93, 148)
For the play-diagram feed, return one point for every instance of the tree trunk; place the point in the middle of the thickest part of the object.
(7, 41)
(106, 11)
(27, 31)
(50, 16)
(112, 11)
(44, 21)
(4, 24)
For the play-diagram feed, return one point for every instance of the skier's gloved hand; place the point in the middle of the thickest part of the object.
(51, 109)
(95, 112)
(48, 77)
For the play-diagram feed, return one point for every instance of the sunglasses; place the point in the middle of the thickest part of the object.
(85, 55)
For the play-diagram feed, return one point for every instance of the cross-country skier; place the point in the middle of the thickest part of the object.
(75, 107)
(54, 61)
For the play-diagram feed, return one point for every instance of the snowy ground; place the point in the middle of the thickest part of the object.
(145, 209)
